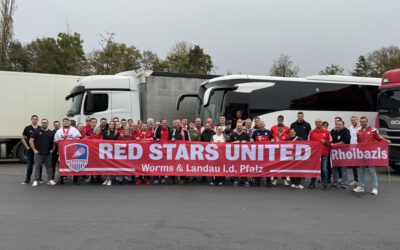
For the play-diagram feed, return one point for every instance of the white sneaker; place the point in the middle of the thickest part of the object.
(35, 184)
(109, 183)
(374, 191)
(155, 182)
(105, 182)
(285, 182)
(274, 182)
(292, 186)
(353, 183)
(163, 181)
(300, 186)
(358, 190)
(51, 183)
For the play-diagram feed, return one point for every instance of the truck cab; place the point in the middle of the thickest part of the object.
(105, 96)
(388, 119)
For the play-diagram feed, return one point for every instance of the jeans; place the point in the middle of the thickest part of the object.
(39, 160)
(29, 166)
(324, 172)
(336, 174)
(361, 176)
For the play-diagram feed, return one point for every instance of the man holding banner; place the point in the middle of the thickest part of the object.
(366, 134)
(340, 135)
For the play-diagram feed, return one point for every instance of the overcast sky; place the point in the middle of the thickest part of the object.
(241, 36)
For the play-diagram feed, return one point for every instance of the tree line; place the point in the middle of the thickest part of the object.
(64, 54)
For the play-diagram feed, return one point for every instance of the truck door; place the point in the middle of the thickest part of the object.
(121, 104)
(98, 105)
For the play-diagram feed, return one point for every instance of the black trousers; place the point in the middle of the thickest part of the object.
(29, 166)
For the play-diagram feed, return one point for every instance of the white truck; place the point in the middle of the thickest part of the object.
(25, 94)
(136, 95)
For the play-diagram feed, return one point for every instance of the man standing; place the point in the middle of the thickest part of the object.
(353, 133)
(222, 121)
(26, 135)
(240, 137)
(319, 134)
(207, 134)
(366, 134)
(193, 134)
(274, 128)
(67, 132)
(301, 127)
(54, 158)
(199, 125)
(41, 142)
(262, 135)
(88, 130)
(103, 125)
(340, 135)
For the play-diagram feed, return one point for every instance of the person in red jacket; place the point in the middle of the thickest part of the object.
(145, 135)
(319, 134)
(281, 134)
(274, 129)
(366, 134)
(96, 134)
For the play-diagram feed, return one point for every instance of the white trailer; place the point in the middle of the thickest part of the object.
(25, 94)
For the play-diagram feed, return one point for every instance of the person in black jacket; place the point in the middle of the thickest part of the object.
(296, 181)
(110, 134)
(340, 135)
(301, 127)
(207, 134)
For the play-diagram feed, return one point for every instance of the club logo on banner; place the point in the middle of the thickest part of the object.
(76, 156)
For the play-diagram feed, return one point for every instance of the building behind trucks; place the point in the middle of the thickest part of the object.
(25, 94)
(136, 95)
(388, 119)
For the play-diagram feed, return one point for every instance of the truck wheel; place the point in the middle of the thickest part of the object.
(21, 154)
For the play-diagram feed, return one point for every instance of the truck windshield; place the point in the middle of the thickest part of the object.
(389, 102)
(76, 105)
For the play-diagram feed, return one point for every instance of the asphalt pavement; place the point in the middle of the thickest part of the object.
(194, 216)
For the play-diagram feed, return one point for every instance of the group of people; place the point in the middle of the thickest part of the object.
(41, 145)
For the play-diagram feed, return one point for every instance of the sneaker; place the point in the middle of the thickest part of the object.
(235, 183)
(354, 183)
(246, 184)
(311, 186)
(212, 183)
(220, 183)
(374, 191)
(156, 182)
(148, 182)
(292, 186)
(138, 182)
(340, 180)
(285, 182)
(109, 182)
(51, 183)
(358, 189)
(274, 182)
(105, 182)
(300, 187)
(41, 181)
(25, 182)
(35, 184)
(163, 181)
